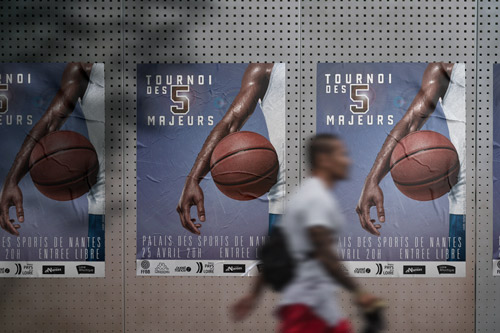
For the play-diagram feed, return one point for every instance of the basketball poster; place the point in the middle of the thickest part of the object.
(496, 170)
(404, 127)
(52, 170)
(210, 166)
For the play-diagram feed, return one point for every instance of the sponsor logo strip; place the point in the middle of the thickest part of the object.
(372, 269)
(146, 267)
(41, 269)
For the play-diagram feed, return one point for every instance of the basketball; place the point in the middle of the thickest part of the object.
(244, 165)
(424, 165)
(64, 165)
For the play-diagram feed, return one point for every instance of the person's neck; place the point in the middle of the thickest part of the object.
(325, 178)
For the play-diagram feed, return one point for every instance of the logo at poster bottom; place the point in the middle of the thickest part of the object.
(414, 269)
(234, 268)
(52, 269)
(26, 269)
(85, 269)
(182, 269)
(145, 267)
(447, 269)
(209, 268)
(362, 270)
(162, 268)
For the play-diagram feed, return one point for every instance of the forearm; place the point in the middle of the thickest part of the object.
(233, 121)
(381, 166)
(322, 240)
(73, 85)
(50, 122)
(20, 166)
(258, 285)
(334, 268)
(202, 164)
(434, 85)
(253, 87)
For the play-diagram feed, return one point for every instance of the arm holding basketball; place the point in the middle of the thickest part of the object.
(434, 85)
(73, 85)
(253, 87)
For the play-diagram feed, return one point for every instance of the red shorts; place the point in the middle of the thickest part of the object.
(299, 318)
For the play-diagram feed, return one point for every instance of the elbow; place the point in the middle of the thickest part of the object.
(54, 123)
(417, 122)
(324, 256)
(413, 127)
(231, 125)
(233, 128)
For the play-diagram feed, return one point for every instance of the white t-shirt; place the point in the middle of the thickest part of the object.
(453, 105)
(313, 205)
(92, 104)
(273, 107)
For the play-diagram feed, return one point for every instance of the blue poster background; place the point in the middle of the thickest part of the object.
(166, 154)
(404, 217)
(44, 217)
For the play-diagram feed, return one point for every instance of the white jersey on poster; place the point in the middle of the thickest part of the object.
(273, 107)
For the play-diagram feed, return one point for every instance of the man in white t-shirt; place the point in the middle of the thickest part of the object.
(312, 221)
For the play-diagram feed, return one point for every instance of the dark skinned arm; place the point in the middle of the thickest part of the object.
(244, 306)
(253, 87)
(322, 242)
(435, 82)
(73, 85)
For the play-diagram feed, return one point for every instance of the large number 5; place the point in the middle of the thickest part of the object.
(363, 102)
(182, 101)
(4, 101)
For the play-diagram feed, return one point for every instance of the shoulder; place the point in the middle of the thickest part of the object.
(87, 67)
(76, 70)
(310, 193)
(441, 67)
(259, 71)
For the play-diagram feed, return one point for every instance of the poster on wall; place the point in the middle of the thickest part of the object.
(496, 169)
(210, 166)
(405, 199)
(52, 170)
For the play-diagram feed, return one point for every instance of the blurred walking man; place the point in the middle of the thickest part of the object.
(312, 221)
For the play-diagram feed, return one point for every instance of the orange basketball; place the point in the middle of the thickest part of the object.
(64, 165)
(244, 165)
(424, 165)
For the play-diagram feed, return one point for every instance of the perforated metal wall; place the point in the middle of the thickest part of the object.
(65, 31)
(387, 31)
(189, 32)
(487, 286)
(300, 33)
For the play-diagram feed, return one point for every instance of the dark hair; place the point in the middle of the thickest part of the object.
(319, 144)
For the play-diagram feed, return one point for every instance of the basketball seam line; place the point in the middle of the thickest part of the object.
(456, 166)
(67, 181)
(239, 151)
(251, 180)
(55, 152)
(418, 151)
